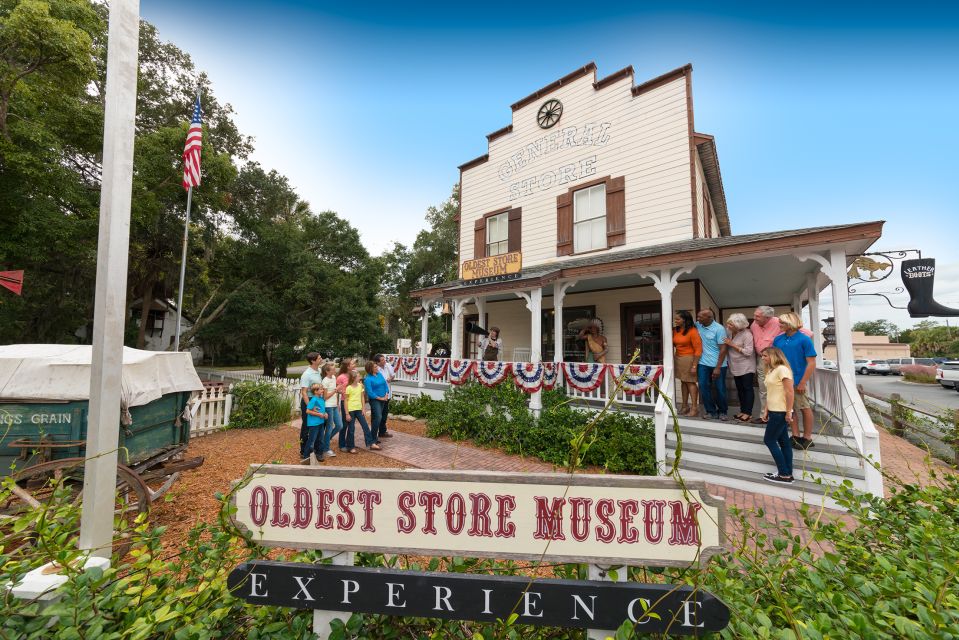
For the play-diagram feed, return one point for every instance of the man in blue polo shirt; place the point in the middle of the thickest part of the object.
(712, 365)
(801, 354)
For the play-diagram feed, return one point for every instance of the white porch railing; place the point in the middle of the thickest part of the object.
(662, 415)
(210, 411)
(836, 395)
(599, 395)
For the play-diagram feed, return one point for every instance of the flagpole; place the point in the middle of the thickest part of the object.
(179, 299)
(186, 237)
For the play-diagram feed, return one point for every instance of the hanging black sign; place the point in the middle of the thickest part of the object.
(455, 596)
(918, 277)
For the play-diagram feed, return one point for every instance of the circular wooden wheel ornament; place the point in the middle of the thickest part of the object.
(35, 489)
(549, 113)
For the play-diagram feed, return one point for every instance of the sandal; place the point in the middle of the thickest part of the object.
(742, 417)
(375, 447)
(353, 451)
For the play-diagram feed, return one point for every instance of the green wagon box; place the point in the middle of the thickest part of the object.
(44, 404)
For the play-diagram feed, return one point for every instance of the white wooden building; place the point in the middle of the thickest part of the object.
(612, 205)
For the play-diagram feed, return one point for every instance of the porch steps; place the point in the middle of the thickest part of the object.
(732, 454)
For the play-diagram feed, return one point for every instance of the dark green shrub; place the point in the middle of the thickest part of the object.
(259, 404)
(421, 406)
(500, 417)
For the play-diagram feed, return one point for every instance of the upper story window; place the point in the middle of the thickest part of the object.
(589, 219)
(497, 234)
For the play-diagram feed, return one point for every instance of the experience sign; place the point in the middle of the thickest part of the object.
(653, 608)
(595, 519)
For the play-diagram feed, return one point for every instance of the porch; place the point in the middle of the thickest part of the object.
(635, 292)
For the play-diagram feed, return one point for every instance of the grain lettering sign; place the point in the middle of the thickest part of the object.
(580, 518)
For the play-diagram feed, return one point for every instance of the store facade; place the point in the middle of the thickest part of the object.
(601, 201)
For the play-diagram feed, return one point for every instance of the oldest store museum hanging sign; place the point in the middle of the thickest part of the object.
(501, 267)
(578, 518)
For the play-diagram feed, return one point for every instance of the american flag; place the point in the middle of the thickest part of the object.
(191, 152)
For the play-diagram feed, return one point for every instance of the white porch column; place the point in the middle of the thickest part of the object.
(797, 304)
(665, 281)
(559, 294)
(424, 334)
(536, 343)
(459, 307)
(534, 302)
(812, 294)
(481, 311)
(840, 305)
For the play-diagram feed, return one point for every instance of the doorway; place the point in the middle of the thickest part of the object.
(642, 328)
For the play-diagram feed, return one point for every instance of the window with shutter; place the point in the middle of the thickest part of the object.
(591, 216)
(497, 234)
(589, 219)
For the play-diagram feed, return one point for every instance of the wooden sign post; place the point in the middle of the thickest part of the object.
(594, 519)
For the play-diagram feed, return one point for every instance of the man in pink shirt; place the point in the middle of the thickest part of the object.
(765, 328)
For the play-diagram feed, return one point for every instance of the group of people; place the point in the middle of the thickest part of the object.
(332, 401)
(775, 350)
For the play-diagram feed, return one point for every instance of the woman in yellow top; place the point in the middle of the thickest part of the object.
(355, 398)
(778, 414)
(596, 346)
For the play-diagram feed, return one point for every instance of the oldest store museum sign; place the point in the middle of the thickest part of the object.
(596, 519)
(501, 267)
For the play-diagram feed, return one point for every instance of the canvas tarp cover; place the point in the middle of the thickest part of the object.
(62, 372)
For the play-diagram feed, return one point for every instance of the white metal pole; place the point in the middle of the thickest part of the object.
(186, 238)
(113, 249)
(536, 342)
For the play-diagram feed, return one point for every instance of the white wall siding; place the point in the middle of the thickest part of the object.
(648, 143)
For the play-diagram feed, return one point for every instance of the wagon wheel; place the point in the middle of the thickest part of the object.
(34, 489)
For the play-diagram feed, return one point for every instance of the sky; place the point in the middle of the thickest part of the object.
(823, 113)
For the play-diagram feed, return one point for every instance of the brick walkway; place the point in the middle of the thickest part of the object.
(900, 458)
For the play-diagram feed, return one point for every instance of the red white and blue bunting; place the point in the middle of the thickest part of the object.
(437, 367)
(492, 372)
(411, 364)
(460, 371)
(550, 374)
(638, 378)
(584, 376)
(528, 376)
(394, 362)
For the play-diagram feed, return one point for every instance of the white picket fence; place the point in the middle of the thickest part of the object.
(210, 411)
(290, 386)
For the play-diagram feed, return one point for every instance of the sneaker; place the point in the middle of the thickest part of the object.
(806, 444)
(386, 435)
(319, 458)
(330, 453)
(769, 476)
(375, 447)
(723, 417)
(796, 442)
(778, 479)
(305, 460)
(712, 416)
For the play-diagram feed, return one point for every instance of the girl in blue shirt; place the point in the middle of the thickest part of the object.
(315, 423)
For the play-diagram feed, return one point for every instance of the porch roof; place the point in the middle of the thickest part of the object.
(756, 246)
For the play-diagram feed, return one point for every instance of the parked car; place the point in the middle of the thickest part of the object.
(865, 367)
(947, 374)
(896, 364)
(830, 364)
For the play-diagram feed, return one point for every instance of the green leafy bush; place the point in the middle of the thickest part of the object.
(259, 404)
(421, 406)
(500, 417)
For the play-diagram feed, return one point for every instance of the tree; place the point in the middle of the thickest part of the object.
(878, 328)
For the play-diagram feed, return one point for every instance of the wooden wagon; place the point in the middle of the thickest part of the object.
(43, 424)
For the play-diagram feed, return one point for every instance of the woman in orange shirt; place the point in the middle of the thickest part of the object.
(688, 348)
